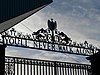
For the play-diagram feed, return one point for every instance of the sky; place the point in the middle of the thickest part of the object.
(79, 19)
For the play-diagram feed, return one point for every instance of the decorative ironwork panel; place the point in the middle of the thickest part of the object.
(9, 66)
(45, 39)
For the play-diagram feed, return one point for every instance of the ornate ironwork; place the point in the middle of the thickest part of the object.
(26, 66)
(48, 39)
(52, 26)
(9, 67)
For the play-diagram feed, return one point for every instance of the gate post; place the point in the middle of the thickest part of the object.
(2, 59)
(95, 63)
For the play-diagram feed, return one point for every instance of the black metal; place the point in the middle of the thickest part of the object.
(2, 59)
(49, 41)
(52, 26)
(95, 63)
(26, 66)
(55, 68)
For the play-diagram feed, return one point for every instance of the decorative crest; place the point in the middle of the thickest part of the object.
(52, 25)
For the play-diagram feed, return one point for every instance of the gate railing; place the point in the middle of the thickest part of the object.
(26, 66)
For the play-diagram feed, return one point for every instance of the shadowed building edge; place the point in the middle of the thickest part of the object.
(14, 11)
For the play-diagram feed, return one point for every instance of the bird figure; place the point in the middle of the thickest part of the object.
(52, 25)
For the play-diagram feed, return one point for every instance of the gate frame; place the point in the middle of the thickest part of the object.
(3, 46)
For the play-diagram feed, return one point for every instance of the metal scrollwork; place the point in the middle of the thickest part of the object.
(48, 36)
(41, 35)
(9, 69)
(9, 66)
(64, 38)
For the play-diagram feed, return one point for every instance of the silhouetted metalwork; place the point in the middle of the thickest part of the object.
(2, 59)
(25, 66)
(52, 26)
(95, 63)
(45, 39)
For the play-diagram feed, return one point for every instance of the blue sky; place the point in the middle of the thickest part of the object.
(79, 19)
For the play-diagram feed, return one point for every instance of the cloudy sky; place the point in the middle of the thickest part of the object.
(79, 19)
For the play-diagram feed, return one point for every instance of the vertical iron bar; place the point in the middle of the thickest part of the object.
(55, 71)
(60, 69)
(43, 68)
(27, 68)
(70, 69)
(31, 68)
(37, 67)
(63, 69)
(49, 68)
(78, 71)
(52, 68)
(40, 68)
(21, 68)
(14, 66)
(24, 68)
(46, 68)
(34, 68)
(56, 68)
(83, 70)
(73, 70)
(17, 67)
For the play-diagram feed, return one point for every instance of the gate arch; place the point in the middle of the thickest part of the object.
(48, 40)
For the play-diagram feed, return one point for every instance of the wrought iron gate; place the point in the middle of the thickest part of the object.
(25, 66)
(49, 40)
